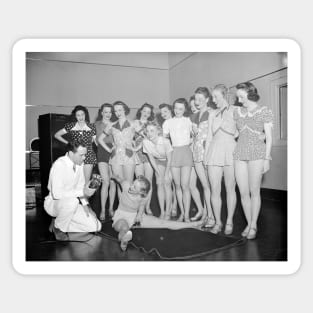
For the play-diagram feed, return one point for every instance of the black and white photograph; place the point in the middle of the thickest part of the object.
(156, 156)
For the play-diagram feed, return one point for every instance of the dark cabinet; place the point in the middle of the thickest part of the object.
(50, 148)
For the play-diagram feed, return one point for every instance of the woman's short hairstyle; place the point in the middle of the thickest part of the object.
(79, 108)
(166, 105)
(145, 105)
(223, 89)
(104, 105)
(207, 94)
(145, 185)
(183, 101)
(126, 108)
(204, 91)
(252, 92)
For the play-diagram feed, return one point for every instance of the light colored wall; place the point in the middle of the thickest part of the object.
(69, 84)
(56, 87)
(209, 69)
(154, 60)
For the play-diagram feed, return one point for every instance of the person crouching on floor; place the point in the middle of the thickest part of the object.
(67, 200)
(131, 208)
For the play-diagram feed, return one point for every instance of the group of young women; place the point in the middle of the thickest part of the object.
(193, 141)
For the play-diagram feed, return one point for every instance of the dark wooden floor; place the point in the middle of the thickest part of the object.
(270, 245)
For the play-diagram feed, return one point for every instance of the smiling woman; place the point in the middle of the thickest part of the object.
(81, 129)
(252, 155)
(143, 87)
(179, 130)
(130, 211)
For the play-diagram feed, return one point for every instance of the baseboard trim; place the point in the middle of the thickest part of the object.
(274, 194)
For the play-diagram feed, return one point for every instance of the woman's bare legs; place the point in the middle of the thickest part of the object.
(174, 200)
(105, 176)
(154, 222)
(168, 199)
(128, 172)
(167, 191)
(139, 169)
(185, 182)
(87, 172)
(161, 190)
(201, 172)
(161, 198)
(178, 189)
(112, 193)
(122, 227)
(195, 194)
(148, 173)
(117, 170)
(255, 179)
(242, 178)
(215, 175)
(230, 184)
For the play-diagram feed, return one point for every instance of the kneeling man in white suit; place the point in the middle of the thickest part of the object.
(67, 200)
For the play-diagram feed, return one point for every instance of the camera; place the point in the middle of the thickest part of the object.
(95, 181)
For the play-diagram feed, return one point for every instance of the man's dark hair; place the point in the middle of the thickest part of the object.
(74, 144)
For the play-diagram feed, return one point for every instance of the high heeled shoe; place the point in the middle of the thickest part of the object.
(186, 219)
(228, 229)
(217, 228)
(196, 217)
(252, 233)
(245, 232)
(210, 222)
(174, 212)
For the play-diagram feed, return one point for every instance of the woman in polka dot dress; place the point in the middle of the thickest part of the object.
(252, 155)
(81, 129)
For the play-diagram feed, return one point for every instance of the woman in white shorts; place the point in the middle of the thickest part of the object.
(179, 129)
